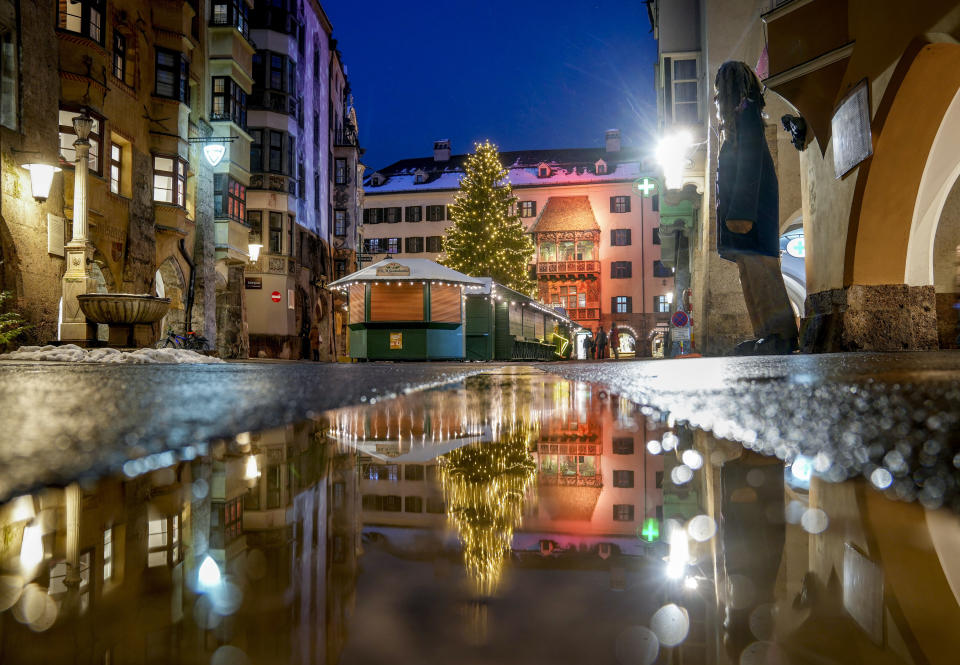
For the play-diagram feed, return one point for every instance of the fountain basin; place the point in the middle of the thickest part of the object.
(123, 308)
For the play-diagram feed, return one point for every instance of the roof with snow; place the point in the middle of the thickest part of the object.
(567, 166)
(566, 213)
(408, 270)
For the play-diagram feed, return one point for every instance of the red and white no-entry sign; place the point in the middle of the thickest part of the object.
(275, 296)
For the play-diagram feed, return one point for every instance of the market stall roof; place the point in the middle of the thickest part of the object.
(414, 270)
(497, 289)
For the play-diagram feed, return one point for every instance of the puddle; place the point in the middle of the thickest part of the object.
(511, 518)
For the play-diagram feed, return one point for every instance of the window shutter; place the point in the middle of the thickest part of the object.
(613, 270)
(613, 305)
(613, 237)
(629, 304)
(445, 213)
(613, 204)
(533, 208)
(655, 202)
(629, 240)
(627, 200)
(629, 267)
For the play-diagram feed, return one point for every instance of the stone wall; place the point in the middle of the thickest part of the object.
(888, 317)
(204, 251)
(140, 252)
(232, 335)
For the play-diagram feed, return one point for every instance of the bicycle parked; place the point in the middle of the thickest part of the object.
(189, 340)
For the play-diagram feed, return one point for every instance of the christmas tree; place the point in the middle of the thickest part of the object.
(487, 237)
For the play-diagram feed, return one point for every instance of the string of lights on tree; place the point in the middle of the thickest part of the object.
(487, 238)
(484, 486)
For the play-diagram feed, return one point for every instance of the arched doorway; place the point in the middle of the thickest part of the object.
(946, 263)
(627, 341)
(916, 160)
(169, 283)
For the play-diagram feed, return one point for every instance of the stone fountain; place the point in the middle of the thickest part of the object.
(129, 315)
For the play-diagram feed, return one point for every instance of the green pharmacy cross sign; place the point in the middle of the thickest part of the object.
(651, 530)
(646, 187)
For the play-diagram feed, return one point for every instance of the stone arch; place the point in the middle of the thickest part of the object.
(901, 189)
(946, 268)
(627, 332)
(169, 282)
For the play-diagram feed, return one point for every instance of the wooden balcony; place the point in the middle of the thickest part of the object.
(568, 268)
(589, 313)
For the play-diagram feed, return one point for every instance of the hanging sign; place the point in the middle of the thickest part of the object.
(275, 296)
(393, 270)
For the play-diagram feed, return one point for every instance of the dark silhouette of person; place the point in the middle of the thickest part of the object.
(601, 344)
(615, 340)
(748, 210)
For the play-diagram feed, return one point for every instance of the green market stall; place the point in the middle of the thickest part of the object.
(406, 309)
(503, 324)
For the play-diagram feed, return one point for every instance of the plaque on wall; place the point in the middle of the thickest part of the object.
(850, 126)
(253, 283)
(54, 235)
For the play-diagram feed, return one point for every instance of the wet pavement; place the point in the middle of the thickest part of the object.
(510, 517)
(289, 513)
(891, 418)
(63, 420)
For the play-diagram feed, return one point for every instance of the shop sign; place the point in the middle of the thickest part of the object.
(275, 296)
(253, 282)
(396, 340)
(393, 270)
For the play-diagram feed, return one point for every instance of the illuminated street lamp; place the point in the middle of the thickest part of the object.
(41, 178)
(672, 155)
(254, 250)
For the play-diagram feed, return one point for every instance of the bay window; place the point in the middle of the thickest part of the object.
(169, 180)
(229, 101)
(173, 75)
(83, 17)
(229, 198)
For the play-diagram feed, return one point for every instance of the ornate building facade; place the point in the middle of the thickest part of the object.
(593, 221)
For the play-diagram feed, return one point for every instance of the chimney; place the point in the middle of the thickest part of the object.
(613, 140)
(441, 150)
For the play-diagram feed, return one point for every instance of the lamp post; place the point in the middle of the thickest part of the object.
(77, 279)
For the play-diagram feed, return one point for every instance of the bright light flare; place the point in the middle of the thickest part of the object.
(31, 551)
(41, 178)
(672, 155)
(209, 573)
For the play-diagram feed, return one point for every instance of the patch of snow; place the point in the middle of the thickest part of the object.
(73, 353)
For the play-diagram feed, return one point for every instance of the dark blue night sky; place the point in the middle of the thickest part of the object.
(526, 74)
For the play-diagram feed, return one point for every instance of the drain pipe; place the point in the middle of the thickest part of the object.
(188, 315)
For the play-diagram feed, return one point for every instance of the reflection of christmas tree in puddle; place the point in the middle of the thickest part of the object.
(484, 486)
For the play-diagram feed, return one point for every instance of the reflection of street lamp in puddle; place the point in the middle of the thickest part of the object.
(31, 551)
(251, 472)
(209, 573)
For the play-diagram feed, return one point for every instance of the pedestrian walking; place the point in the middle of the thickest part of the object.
(588, 347)
(315, 341)
(615, 340)
(748, 214)
(601, 344)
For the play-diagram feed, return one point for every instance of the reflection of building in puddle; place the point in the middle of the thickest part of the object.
(813, 571)
(181, 556)
(595, 481)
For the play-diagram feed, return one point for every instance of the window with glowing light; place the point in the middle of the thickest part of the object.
(528, 208)
(108, 554)
(83, 17)
(229, 198)
(116, 164)
(229, 101)
(163, 541)
(9, 77)
(393, 245)
(621, 305)
(232, 13)
(661, 304)
(169, 180)
(548, 252)
(276, 233)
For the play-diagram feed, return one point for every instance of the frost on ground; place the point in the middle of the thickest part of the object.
(73, 353)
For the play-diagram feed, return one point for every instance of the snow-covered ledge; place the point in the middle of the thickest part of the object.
(73, 353)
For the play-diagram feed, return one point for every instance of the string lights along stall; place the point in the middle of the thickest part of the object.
(407, 309)
(503, 324)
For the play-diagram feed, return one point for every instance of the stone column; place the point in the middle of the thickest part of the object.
(77, 279)
(72, 579)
